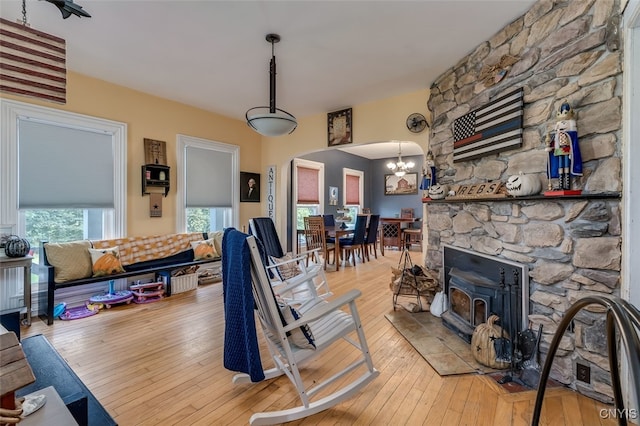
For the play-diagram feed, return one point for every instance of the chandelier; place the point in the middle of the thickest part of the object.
(400, 168)
(271, 121)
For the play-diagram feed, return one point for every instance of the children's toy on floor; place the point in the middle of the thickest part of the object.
(147, 292)
(79, 312)
(113, 297)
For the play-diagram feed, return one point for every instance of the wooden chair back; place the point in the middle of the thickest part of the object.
(406, 213)
(315, 235)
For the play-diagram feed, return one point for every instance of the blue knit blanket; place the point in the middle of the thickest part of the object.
(241, 351)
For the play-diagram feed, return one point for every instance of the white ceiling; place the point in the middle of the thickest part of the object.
(213, 54)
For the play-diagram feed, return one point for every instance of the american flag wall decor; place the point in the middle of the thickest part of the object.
(495, 127)
(32, 63)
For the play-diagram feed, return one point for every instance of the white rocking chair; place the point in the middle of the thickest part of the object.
(328, 323)
(309, 283)
(309, 280)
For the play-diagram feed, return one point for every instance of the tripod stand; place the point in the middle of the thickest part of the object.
(401, 290)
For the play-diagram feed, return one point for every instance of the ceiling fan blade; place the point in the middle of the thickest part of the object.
(68, 8)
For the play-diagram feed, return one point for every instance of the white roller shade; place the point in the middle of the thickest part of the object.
(63, 167)
(209, 178)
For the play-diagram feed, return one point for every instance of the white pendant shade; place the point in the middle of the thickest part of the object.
(271, 121)
(272, 124)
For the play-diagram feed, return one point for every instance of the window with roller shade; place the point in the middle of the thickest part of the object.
(51, 176)
(208, 188)
(308, 188)
(62, 178)
(353, 190)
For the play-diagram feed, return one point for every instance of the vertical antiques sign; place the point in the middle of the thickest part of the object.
(271, 192)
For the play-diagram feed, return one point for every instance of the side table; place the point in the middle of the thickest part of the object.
(52, 413)
(25, 263)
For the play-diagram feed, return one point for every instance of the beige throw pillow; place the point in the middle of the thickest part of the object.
(204, 249)
(105, 261)
(71, 261)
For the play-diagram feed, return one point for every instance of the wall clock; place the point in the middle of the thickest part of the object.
(416, 122)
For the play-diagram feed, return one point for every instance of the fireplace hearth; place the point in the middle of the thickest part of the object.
(478, 285)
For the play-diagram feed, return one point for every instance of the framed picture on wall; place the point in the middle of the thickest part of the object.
(333, 195)
(401, 185)
(339, 127)
(249, 187)
(155, 152)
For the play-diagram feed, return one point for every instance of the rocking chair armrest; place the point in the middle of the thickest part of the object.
(305, 254)
(300, 257)
(324, 308)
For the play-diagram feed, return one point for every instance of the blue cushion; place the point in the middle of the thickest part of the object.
(301, 336)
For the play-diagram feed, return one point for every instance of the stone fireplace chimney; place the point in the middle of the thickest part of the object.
(571, 246)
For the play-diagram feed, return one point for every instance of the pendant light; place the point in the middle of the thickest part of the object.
(271, 121)
(400, 168)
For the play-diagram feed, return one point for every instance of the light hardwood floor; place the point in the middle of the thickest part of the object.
(161, 364)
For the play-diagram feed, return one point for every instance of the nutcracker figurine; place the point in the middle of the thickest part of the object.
(565, 159)
(428, 175)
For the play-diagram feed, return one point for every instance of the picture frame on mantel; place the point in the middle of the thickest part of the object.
(339, 127)
(401, 185)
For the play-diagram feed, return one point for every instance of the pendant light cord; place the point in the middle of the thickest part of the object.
(24, 12)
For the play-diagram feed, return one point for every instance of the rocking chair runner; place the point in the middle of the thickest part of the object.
(327, 322)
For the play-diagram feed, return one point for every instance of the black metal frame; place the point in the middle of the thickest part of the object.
(621, 315)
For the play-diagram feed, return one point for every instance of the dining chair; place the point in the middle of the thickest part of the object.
(413, 234)
(371, 239)
(355, 244)
(315, 235)
(329, 221)
(406, 213)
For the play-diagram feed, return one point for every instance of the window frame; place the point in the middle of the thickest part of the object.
(299, 162)
(184, 141)
(115, 220)
(354, 208)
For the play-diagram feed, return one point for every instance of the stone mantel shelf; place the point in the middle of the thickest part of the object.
(608, 195)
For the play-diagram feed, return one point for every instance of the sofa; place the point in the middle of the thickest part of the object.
(83, 262)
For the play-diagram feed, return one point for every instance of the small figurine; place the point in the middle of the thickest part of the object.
(565, 159)
(428, 174)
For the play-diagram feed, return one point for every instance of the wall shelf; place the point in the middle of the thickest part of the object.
(155, 176)
(540, 197)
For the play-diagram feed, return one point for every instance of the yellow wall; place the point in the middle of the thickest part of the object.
(378, 121)
(152, 117)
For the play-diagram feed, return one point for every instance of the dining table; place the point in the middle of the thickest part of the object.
(337, 232)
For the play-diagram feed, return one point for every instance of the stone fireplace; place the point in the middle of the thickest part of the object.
(478, 285)
(571, 246)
